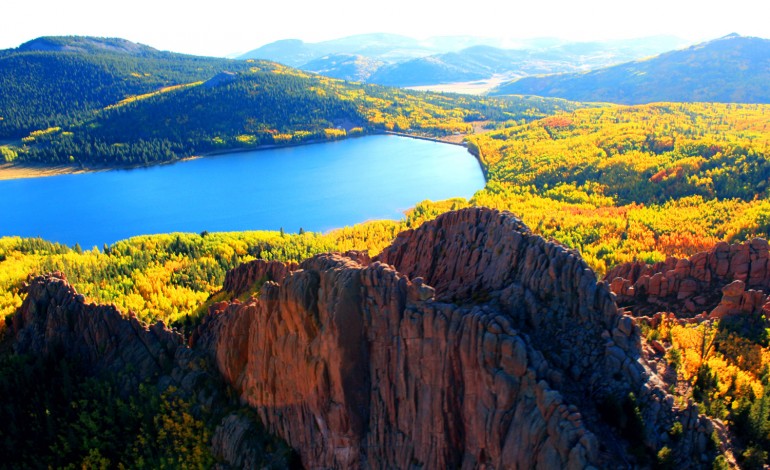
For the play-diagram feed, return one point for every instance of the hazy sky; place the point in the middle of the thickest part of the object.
(224, 27)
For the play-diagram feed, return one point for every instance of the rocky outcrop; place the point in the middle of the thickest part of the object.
(243, 277)
(220, 79)
(545, 289)
(727, 280)
(56, 320)
(469, 342)
(355, 369)
(240, 441)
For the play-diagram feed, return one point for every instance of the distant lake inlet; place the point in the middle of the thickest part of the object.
(316, 187)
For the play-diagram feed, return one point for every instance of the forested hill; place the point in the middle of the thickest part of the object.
(92, 45)
(97, 102)
(730, 69)
(58, 81)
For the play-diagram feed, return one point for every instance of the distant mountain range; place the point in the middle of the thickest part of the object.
(387, 59)
(388, 48)
(730, 69)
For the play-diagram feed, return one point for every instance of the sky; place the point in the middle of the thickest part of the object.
(229, 27)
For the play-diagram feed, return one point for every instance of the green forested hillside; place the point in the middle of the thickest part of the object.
(64, 418)
(261, 104)
(732, 69)
(58, 81)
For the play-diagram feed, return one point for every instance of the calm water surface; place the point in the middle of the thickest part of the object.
(316, 187)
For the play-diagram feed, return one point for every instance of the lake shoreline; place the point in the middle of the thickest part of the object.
(14, 171)
(315, 187)
(11, 171)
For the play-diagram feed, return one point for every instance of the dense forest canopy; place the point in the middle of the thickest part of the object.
(641, 182)
(62, 81)
(109, 102)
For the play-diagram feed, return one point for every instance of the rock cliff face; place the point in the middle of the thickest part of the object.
(241, 278)
(469, 342)
(727, 280)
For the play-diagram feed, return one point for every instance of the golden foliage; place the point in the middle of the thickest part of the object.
(134, 98)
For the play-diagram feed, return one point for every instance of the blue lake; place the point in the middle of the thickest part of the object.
(316, 187)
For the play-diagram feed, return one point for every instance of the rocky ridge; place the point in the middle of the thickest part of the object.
(56, 320)
(469, 342)
(726, 280)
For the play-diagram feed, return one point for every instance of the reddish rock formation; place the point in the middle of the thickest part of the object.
(485, 346)
(497, 352)
(355, 370)
(727, 280)
(545, 289)
(243, 277)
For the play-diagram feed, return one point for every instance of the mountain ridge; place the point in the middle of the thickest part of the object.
(295, 52)
(409, 62)
(733, 68)
(129, 108)
(86, 44)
